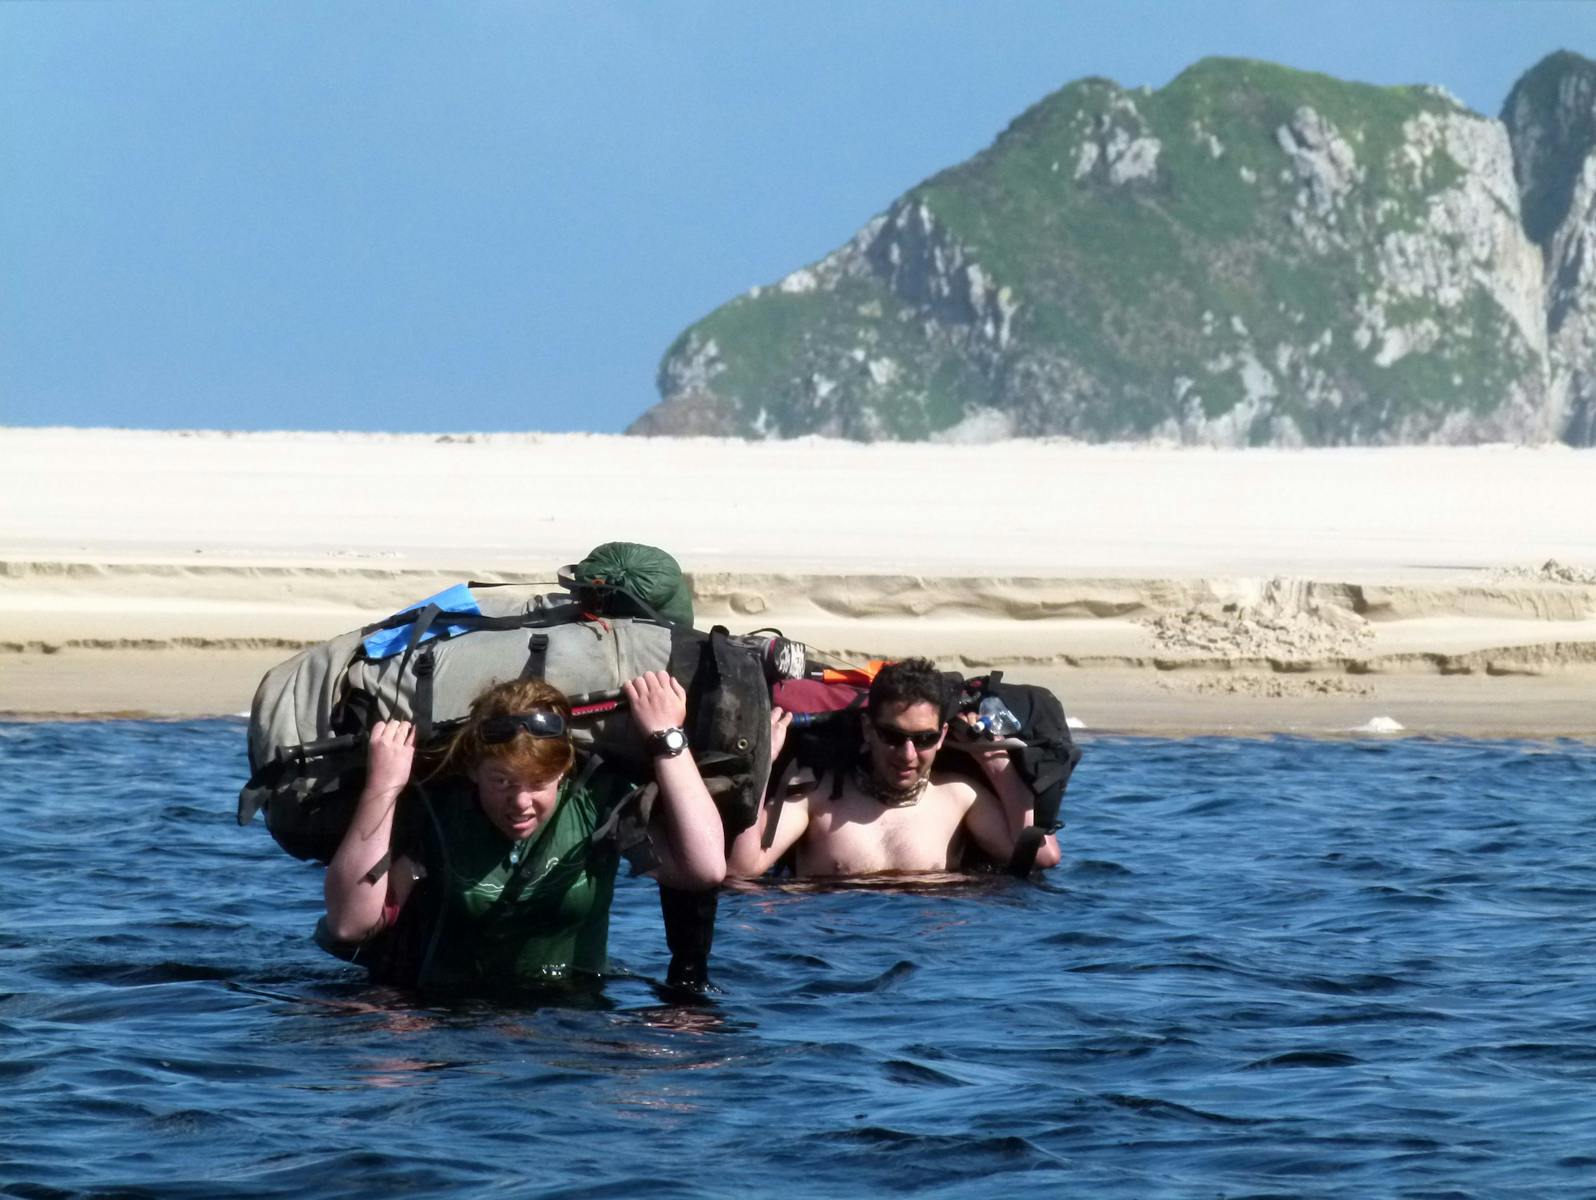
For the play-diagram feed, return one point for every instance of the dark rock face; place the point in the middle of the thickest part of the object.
(1251, 255)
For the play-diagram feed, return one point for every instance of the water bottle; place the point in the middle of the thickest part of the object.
(995, 720)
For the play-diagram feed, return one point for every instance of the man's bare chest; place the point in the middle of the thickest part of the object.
(857, 834)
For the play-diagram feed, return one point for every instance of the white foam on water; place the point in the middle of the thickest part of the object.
(1378, 725)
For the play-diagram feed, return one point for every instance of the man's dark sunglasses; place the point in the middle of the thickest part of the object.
(540, 723)
(920, 739)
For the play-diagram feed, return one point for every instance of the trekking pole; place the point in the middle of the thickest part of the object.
(326, 746)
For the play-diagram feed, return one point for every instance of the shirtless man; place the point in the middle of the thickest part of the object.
(895, 813)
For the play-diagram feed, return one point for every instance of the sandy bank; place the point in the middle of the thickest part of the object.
(1156, 589)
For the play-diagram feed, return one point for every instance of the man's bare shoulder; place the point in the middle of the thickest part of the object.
(957, 788)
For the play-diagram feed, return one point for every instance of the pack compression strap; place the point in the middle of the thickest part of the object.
(425, 665)
(423, 671)
(537, 656)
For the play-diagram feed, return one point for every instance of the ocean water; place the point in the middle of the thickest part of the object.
(1272, 967)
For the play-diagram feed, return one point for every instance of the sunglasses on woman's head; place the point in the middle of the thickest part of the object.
(920, 739)
(540, 723)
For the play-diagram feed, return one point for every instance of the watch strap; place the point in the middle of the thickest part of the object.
(667, 743)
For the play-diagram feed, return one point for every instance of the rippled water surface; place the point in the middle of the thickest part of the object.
(1275, 967)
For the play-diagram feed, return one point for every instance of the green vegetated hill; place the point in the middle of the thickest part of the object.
(1249, 255)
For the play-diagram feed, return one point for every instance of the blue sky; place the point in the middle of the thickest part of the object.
(497, 216)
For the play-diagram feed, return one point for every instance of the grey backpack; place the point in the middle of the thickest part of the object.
(311, 714)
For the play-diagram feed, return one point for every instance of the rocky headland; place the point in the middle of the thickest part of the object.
(1250, 255)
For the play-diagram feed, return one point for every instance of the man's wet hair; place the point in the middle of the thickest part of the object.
(909, 682)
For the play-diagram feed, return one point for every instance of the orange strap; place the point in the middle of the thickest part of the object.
(858, 676)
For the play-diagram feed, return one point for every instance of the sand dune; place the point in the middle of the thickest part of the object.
(1162, 588)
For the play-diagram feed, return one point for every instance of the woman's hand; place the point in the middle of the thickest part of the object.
(389, 756)
(685, 826)
(656, 701)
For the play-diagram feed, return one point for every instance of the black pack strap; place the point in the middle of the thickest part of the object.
(773, 813)
(590, 768)
(1026, 845)
(705, 679)
(537, 656)
(1047, 768)
(472, 622)
(640, 793)
(420, 621)
(612, 822)
(425, 665)
(689, 933)
(721, 762)
(782, 772)
(605, 592)
(839, 779)
(441, 847)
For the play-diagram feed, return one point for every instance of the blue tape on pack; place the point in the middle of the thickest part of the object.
(388, 642)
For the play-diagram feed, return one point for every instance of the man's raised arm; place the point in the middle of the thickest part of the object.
(749, 856)
(997, 822)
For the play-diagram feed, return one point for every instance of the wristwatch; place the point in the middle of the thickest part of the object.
(666, 743)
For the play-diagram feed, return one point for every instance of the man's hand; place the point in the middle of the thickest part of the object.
(973, 741)
(780, 723)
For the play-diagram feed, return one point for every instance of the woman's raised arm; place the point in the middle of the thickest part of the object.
(355, 901)
(688, 836)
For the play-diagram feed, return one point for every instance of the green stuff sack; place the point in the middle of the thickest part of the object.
(628, 579)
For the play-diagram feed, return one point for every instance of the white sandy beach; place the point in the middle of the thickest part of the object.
(1155, 589)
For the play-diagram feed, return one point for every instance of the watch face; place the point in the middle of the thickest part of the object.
(668, 742)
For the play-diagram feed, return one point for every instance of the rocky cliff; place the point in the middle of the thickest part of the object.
(1249, 255)
(1551, 121)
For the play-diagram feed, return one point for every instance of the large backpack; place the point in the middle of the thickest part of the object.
(825, 741)
(311, 714)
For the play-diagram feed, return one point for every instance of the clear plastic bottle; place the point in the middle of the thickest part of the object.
(995, 720)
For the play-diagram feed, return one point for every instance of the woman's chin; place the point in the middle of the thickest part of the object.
(518, 830)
